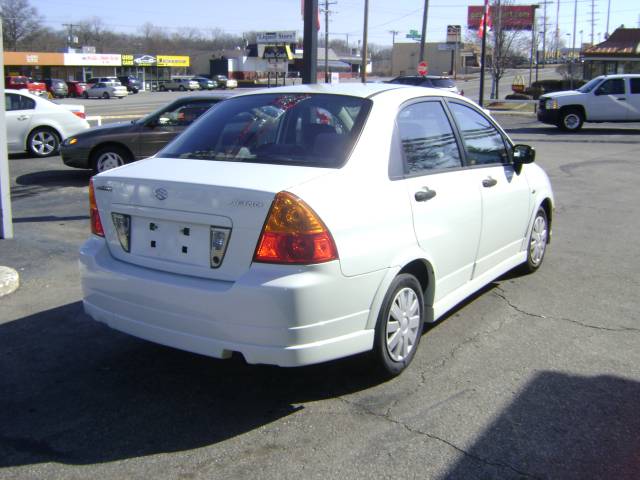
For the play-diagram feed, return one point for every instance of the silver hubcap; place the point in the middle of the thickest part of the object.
(571, 121)
(43, 143)
(108, 160)
(403, 324)
(538, 240)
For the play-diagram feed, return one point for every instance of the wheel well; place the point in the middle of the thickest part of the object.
(423, 271)
(546, 204)
(579, 108)
(101, 146)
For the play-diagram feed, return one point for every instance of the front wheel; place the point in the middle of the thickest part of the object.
(109, 157)
(105, 95)
(399, 325)
(571, 120)
(537, 244)
(43, 142)
(85, 95)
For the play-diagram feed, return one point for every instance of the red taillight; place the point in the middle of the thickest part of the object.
(94, 215)
(80, 114)
(293, 233)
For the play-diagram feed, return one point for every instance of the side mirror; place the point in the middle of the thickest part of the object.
(522, 154)
(600, 91)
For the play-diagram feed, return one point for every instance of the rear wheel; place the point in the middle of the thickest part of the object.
(85, 95)
(109, 157)
(43, 142)
(105, 95)
(181, 88)
(399, 325)
(571, 120)
(163, 88)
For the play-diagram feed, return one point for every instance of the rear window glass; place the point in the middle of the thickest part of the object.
(442, 82)
(315, 130)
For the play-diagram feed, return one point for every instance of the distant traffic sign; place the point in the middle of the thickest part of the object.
(423, 68)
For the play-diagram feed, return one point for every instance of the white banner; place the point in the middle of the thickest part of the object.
(93, 59)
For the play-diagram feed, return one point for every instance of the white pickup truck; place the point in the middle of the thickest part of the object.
(607, 98)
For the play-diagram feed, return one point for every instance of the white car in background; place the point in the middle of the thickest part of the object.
(106, 90)
(37, 125)
(303, 224)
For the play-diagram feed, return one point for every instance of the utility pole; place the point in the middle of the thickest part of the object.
(70, 35)
(423, 39)
(365, 35)
(593, 22)
(393, 43)
(326, 12)
(606, 32)
(310, 42)
(557, 53)
(6, 217)
(573, 46)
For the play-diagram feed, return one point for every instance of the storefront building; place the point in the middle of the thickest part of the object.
(82, 66)
(620, 53)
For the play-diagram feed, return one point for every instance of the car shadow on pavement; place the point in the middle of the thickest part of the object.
(55, 178)
(561, 426)
(586, 131)
(75, 392)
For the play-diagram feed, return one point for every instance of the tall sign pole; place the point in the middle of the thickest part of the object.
(483, 50)
(365, 39)
(310, 42)
(423, 39)
(6, 218)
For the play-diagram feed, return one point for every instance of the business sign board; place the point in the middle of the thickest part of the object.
(33, 58)
(453, 33)
(414, 35)
(277, 53)
(512, 17)
(288, 36)
(173, 61)
(138, 60)
(93, 59)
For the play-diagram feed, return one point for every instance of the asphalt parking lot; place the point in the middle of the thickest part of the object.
(535, 377)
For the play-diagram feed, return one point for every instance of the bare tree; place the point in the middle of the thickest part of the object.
(19, 21)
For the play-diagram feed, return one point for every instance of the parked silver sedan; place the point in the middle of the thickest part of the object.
(105, 90)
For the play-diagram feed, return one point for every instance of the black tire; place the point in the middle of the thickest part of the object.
(571, 120)
(106, 96)
(85, 95)
(403, 287)
(43, 142)
(108, 157)
(537, 242)
(181, 88)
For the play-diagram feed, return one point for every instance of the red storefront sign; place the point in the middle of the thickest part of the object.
(512, 17)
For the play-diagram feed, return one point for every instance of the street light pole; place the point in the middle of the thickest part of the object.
(573, 43)
(423, 39)
(310, 42)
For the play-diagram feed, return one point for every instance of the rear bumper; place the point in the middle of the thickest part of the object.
(274, 314)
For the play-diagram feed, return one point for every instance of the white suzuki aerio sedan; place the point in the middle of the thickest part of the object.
(303, 224)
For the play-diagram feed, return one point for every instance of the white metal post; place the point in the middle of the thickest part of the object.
(6, 218)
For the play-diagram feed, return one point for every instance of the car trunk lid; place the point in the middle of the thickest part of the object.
(185, 213)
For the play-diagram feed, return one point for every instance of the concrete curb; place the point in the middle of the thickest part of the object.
(9, 281)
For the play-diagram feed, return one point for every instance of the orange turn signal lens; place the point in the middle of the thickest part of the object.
(294, 233)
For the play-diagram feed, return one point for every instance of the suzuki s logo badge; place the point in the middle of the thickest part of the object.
(161, 193)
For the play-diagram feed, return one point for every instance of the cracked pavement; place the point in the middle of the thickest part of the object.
(536, 376)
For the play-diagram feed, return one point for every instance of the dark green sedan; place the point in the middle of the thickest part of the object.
(109, 146)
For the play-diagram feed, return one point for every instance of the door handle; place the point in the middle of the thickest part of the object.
(424, 194)
(489, 182)
(622, 98)
(23, 117)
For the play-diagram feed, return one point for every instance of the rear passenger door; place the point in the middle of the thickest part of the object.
(506, 200)
(633, 99)
(19, 113)
(609, 101)
(445, 197)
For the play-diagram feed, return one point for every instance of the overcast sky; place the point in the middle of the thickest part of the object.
(345, 22)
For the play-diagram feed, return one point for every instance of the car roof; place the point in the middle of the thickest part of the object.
(355, 89)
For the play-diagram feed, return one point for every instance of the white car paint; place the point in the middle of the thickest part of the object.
(292, 315)
(21, 122)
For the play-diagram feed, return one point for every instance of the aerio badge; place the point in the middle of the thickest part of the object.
(161, 193)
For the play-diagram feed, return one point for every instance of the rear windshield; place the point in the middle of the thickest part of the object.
(315, 130)
(442, 82)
